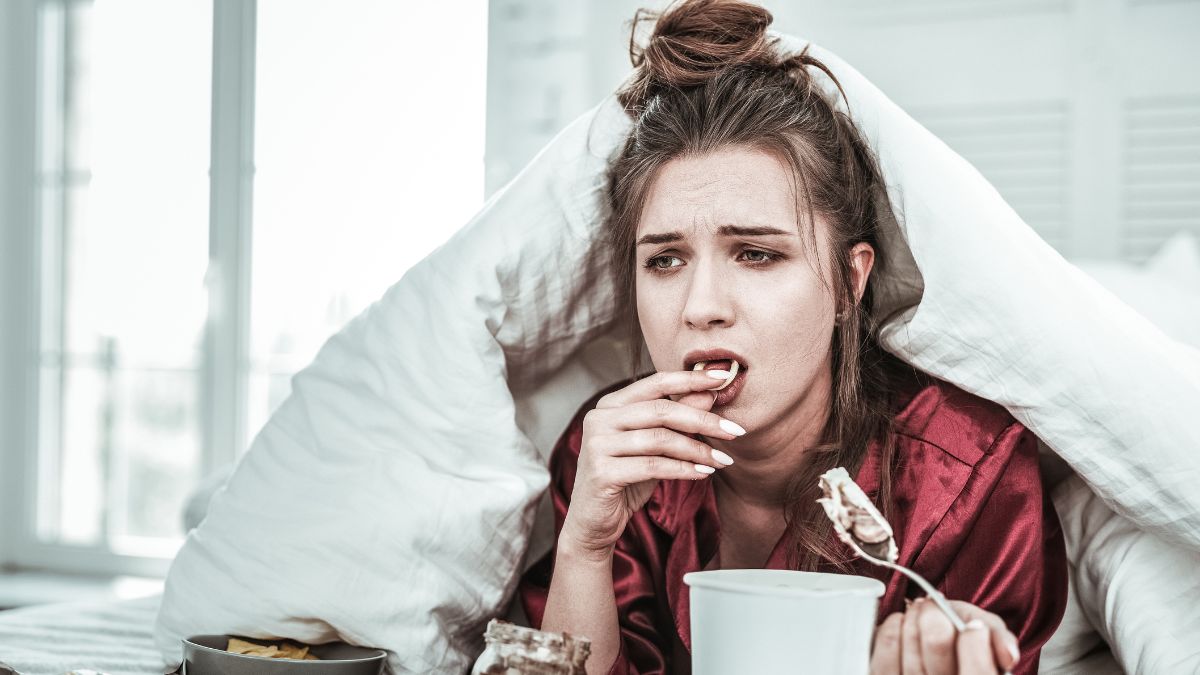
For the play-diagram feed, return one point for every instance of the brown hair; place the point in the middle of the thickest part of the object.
(709, 78)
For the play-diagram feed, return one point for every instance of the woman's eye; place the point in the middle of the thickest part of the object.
(755, 257)
(656, 263)
(761, 258)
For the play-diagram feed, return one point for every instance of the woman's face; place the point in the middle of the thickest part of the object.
(712, 276)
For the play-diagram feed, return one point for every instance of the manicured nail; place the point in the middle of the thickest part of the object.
(975, 624)
(732, 428)
(722, 457)
(704, 468)
(718, 374)
(1015, 651)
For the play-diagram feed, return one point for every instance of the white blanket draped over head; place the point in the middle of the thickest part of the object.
(390, 499)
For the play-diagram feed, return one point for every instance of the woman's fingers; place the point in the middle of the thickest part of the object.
(885, 652)
(625, 471)
(973, 650)
(667, 413)
(911, 657)
(923, 641)
(659, 413)
(1005, 647)
(700, 400)
(662, 384)
(661, 441)
(937, 638)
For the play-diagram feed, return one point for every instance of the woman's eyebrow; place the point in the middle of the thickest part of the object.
(724, 231)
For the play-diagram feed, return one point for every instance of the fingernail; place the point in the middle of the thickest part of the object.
(1015, 651)
(976, 624)
(722, 457)
(718, 374)
(704, 468)
(732, 427)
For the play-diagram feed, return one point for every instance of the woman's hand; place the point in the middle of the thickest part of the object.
(922, 641)
(632, 439)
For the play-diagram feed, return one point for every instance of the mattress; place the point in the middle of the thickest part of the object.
(114, 637)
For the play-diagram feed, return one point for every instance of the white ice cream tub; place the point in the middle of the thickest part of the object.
(781, 621)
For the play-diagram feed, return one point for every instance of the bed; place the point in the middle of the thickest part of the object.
(114, 637)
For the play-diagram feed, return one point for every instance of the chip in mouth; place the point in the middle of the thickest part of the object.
(733, 371)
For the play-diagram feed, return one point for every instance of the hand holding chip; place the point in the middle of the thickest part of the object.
(635, 437)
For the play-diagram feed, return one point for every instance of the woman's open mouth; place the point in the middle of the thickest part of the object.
(733, 386)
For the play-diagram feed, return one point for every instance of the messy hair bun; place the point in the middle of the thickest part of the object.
(694, 40)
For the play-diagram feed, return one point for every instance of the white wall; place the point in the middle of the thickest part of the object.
(1084, 113)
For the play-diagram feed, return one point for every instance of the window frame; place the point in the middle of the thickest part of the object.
(17, 108)
(224, 366)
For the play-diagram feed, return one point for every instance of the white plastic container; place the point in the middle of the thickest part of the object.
(781, 621)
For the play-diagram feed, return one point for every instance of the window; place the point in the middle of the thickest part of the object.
(212, 199)
(400, 143)
(122, 196)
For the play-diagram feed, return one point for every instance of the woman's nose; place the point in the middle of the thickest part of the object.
(708, 303)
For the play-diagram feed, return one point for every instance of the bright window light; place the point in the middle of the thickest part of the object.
(369, 142)
(124, 94)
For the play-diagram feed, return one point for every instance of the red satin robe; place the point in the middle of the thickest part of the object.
(969, 515)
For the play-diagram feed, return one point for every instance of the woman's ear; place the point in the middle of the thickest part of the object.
(862, 259)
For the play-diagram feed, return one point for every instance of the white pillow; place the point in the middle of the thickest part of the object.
(1178, 261)
(1141, 593)
(1075, 638)
(389, 500)
(1166, 290)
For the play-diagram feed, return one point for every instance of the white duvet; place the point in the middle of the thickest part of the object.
(1129, 588)
(390, 500)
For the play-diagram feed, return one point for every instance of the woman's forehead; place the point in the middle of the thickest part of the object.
(725, 193)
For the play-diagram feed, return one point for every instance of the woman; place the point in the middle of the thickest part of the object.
(743, 228)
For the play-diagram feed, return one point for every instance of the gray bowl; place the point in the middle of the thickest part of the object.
(206, 655)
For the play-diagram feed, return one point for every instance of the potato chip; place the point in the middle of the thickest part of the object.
(280, 651)
(733, 371)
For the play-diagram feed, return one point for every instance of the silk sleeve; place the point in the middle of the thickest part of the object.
(639, 652)
(1012, 561)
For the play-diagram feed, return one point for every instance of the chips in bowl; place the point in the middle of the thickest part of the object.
(283, 650)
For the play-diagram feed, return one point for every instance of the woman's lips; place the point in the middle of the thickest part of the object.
(696, 356)
(727, 393)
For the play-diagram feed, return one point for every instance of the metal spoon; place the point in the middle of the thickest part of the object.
(933, 593)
